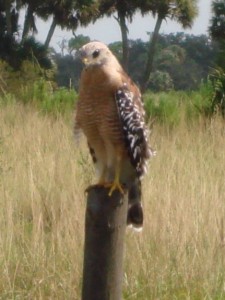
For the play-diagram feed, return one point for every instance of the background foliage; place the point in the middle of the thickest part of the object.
(43, 172)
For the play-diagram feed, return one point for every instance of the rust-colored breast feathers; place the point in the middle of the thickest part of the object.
(98, 115)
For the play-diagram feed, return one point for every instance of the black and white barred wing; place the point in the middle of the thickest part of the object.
(135, 132)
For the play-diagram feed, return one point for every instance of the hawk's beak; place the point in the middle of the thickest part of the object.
(83, 56)
(84, 60)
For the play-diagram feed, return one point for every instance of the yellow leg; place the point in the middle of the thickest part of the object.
(116, 185)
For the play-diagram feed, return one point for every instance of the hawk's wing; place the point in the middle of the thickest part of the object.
(131, 113)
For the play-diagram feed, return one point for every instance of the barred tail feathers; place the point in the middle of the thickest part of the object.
(135, 216)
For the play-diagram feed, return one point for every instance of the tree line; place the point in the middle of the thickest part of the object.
(71, 14)
(18, 42)
(181, 62)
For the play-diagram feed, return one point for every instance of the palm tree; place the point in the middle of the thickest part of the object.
(77, 42)
(8, 7)
(217, 30)
(29, 20)
(65, 13)
(70, 14)
(62, 13)
(183, 11)
(217, 26)
(9, 17)
(217, 76)
(8, 29)
(125, 10)
(34, 51)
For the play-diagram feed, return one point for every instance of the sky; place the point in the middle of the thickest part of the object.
(107, 30)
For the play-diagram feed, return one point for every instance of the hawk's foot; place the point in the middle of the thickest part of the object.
(116, 185)
(108, 185)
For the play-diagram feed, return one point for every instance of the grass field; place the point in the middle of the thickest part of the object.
(179, 255)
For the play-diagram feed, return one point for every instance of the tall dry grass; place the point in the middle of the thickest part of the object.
(179, 255)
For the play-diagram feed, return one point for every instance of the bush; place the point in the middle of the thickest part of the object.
(217, 78)
(172, 107)
(42, 95)
(160, 81)
(200, 102)
(33, 85)
(164, 107)
(61, 101)
(13, 82)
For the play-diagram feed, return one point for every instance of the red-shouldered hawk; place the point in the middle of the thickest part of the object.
(111, 115)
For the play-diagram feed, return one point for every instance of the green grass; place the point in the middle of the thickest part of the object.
(173, 107)
(165, 107)
(43, 175)
(41, 95)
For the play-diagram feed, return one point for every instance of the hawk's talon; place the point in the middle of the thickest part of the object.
(108, 185)
(115, 186)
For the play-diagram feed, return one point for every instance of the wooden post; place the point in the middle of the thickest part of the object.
(105, 225)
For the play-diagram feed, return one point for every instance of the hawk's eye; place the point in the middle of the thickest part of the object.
(95, 53)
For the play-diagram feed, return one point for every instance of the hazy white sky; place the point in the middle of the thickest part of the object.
(107, 29)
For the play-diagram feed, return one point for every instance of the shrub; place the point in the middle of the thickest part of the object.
(61, 101)
(163, 106)
(217, 78)
(11, 81)
(33, 85)
(199, 103)
(160, 81)
(42, 95)
(172, 107)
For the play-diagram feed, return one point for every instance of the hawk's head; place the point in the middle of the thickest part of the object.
(95, 53)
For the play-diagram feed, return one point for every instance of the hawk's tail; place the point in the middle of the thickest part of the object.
(135, 215)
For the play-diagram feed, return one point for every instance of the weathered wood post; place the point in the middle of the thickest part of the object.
(105, 225)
